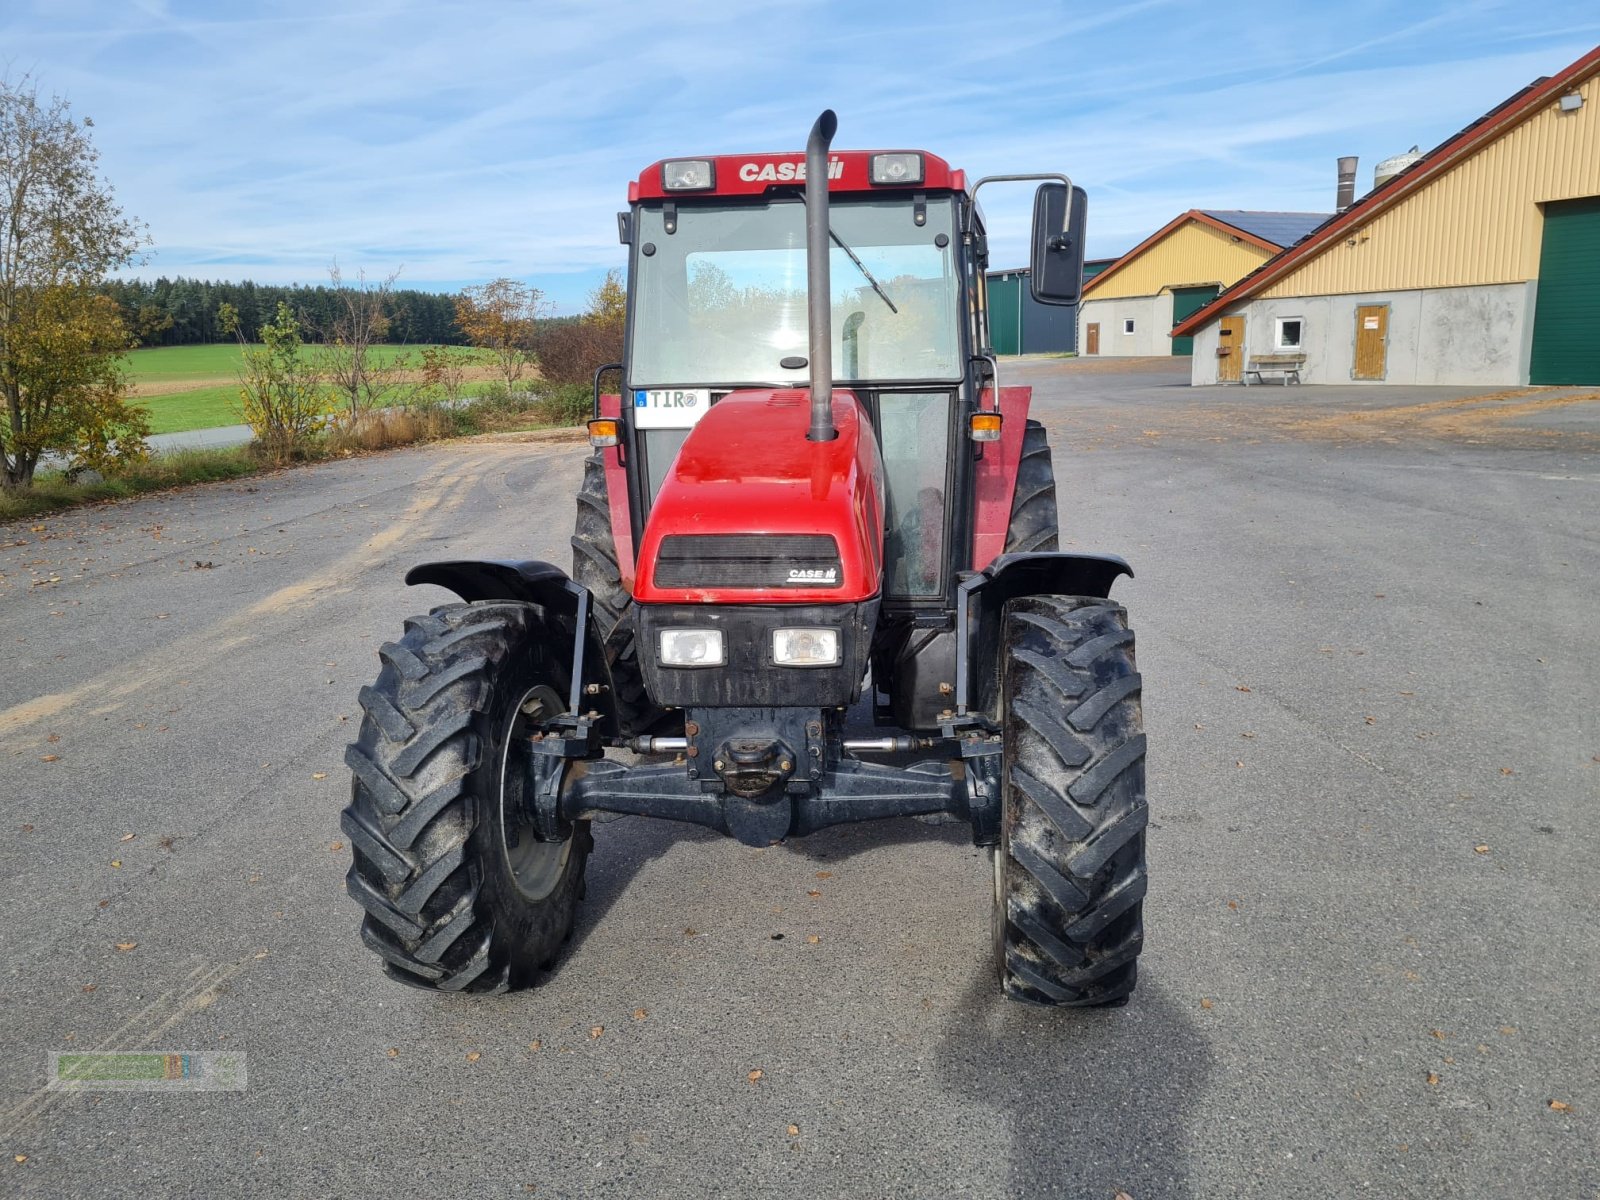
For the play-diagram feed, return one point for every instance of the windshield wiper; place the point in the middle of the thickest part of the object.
(862, 267)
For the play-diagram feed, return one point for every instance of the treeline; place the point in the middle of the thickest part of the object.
(183, 312)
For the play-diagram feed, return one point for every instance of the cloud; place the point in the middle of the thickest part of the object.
(469, 139)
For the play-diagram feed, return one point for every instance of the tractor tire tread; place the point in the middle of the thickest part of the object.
(413, 811)
(1076, 814)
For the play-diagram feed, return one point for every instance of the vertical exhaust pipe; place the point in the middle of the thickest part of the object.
(819, 291)
(1346, 195)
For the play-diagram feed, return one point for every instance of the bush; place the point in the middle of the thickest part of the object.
(566, 404)
(570, 354)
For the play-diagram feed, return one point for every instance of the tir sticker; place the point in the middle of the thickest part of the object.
(669, 408)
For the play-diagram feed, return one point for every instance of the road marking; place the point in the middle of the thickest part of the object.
(107, 692)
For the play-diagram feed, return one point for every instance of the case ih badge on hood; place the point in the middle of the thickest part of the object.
(818, 481)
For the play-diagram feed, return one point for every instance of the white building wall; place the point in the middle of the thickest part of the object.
(1465, 336)
(1152, 322)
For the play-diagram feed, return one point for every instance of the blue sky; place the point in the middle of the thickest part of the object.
(466, 141)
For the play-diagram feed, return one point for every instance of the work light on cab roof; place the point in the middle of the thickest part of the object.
(816, 579)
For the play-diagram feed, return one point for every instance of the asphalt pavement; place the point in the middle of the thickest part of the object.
(1366, 624)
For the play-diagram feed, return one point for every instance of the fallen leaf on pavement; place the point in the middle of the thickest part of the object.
(824, 874)
(1506, 771)
(117, 863)
(1560, 1106)
(21, 1158)
(1239, 687)
(639, 1014)
(126, 946)
(690, 933)
(756, 1075)
(794, 1130)
(1433, 1079)
(88, 987)
(50, 758)
(1508, 1030)
(473, 1056)
(813, 893)
(1205, 1003)
(812, 939)
(596, 1030)
(53, 738)
(337, 846)
(1439, 1033)
(1481, 848)
(127, 837)
(319, 775)
(535, 1045)
(393, 1052)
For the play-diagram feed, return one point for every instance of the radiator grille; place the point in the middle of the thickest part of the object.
(785, 560)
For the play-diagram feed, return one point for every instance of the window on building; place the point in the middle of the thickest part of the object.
(1289, 333)
(1127, 325)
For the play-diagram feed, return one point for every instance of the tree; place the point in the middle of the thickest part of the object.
(61, 232)
(280, 394)
(571, 352)
(360, 321)
(502, 317)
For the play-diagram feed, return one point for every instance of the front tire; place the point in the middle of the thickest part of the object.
(460, 895)
(1070, 868)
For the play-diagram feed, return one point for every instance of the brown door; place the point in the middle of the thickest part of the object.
(1091, 338)
(1372, 340)
(1230, 349)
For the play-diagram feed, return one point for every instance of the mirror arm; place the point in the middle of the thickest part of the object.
(1047, 177)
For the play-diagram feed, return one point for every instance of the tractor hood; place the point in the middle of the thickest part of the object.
(752, 512)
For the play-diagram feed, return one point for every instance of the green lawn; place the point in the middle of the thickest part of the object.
(203, 408)
(209, 407)
(179, 364)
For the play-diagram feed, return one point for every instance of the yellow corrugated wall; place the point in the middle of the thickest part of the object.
(1479, 223)
(1192, 254)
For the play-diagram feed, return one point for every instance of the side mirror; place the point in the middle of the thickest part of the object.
(1056, 264)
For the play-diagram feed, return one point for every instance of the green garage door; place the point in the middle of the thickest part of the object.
(1005, 312)
(1186, 301)
(1566, 316)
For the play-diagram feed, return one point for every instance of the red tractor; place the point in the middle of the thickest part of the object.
(763, 540)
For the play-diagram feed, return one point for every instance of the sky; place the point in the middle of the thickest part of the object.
(460, 142)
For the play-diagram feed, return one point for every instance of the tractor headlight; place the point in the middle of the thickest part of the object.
(805, 647)
(890, 169)
(689, 175)
(691, 648)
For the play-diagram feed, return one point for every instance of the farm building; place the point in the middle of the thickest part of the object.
(1477, 264)
(1019, 324)
(1130, 307)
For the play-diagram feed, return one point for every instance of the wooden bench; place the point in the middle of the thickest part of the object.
(1286, 365)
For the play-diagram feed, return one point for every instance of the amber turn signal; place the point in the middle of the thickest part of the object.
(984, 427)
(604, 432)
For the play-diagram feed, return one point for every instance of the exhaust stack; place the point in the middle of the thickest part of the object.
(1347, 183)
(819, 304)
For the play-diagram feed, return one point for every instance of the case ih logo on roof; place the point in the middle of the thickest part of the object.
(785, 172)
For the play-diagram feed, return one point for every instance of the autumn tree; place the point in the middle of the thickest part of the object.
(61, 232)
(360, 321)
(502, 317)
(570, 353)
(280, 392)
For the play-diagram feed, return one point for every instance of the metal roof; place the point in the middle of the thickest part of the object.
(1494, 124)
(1279, 228)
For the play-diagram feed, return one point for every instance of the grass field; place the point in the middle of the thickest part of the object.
(185, 364)
(196, 387)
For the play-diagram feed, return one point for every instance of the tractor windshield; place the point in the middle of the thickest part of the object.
(722, 300)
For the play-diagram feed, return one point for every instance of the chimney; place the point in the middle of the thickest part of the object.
(1347, 183)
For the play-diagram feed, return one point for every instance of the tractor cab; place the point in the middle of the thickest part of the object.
(810, 490)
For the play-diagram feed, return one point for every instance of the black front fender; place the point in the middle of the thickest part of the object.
(982, 601)
(538, 583)
(530, 581)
